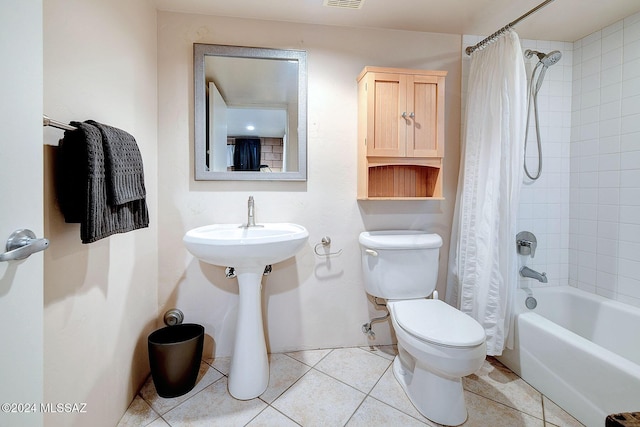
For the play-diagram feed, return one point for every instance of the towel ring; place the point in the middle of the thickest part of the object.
(325, 242)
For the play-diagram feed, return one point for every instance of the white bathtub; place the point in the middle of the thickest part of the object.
(580, 350)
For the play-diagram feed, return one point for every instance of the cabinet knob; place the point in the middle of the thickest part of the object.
(411, 115)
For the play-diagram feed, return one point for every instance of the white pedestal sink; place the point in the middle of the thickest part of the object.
(248, 250)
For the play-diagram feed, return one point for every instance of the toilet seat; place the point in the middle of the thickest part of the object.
(436, 322)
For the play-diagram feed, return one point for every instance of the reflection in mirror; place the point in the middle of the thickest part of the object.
(250, 113)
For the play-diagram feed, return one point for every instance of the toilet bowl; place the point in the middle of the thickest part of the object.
(434, 355)
(437, 344)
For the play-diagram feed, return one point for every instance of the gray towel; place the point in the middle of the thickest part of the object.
(85, 193)
(123, 164)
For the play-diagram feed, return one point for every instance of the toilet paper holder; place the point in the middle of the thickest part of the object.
(325, 243)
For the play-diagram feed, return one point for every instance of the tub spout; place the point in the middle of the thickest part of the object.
(527, 272)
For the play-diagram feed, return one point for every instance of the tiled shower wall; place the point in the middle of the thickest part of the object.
(585, 209)
(604, 232)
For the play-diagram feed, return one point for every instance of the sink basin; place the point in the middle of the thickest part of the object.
(230, 245)
(248, 250)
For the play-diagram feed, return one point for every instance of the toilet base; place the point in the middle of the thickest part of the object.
(439, 399)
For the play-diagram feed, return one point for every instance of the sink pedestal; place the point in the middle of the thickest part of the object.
(249, 374)
(248, 249)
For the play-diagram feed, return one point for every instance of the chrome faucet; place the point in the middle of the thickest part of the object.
(251, 221)
(527, 272)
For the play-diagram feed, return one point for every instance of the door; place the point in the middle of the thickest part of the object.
(425, 96)
(21, 195)
(386, 101)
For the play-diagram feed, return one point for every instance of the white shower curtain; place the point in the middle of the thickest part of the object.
(482, 264)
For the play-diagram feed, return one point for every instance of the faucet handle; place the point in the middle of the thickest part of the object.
(526, 243)
(526, 247)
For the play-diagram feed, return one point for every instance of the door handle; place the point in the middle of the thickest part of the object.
(23, 243)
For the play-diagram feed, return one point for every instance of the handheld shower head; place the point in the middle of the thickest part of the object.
(547, 60)
(535, 83)
(551, 58)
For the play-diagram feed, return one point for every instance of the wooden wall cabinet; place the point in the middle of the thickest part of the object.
(400, 133)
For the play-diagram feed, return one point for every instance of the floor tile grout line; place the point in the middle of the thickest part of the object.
(227, 376)
(311, 366)
(367, 394)
(187, 399)
(275, 409)
(403, 412)
(355, 411)
(341, 381)
(387, 404)
(367, 349)
(510, 407)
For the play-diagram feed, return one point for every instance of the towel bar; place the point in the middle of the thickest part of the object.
(46, 121)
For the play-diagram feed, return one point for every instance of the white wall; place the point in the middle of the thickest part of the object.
(605, 163)
(100, 300)
(309, 302)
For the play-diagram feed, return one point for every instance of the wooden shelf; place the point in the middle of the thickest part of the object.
(403, 181)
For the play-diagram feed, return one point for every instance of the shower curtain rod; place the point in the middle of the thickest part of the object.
(470, 49)
(46, 121)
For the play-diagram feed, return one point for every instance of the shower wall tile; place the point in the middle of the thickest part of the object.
(631, 68)
(631, 31)
(611, 29)
(592, 38)
(631, 86)
(612, 40)
(629, 142)
(544, 204)
(629, 196)
(604, 252)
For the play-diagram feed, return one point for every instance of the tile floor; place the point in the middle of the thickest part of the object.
(339, 387)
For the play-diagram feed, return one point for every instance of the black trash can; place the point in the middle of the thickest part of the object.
(175, 353)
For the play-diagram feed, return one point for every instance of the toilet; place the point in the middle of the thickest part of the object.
(437, 344)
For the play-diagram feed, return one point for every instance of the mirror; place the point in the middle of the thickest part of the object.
(250, 113)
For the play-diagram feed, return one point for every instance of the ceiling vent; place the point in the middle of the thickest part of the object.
(344, 4)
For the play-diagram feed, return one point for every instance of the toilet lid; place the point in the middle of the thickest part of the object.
(400, 239)
(437, 322)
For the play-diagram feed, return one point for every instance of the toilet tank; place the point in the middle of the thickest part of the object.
(400, 264)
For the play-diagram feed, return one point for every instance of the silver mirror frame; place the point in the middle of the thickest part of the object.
(199, 52)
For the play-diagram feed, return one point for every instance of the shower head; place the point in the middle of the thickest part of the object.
(547, 60)
(551, 58)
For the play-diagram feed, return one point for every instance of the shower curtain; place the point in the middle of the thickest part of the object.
(482, 264)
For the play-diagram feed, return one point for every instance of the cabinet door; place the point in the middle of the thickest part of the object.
(386, 129)
(425, 100)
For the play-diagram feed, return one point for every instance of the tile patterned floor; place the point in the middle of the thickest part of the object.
(339, 387)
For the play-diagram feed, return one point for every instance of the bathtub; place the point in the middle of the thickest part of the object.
(580, 350)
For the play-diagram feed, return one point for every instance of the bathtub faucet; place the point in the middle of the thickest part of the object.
(527, 272)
